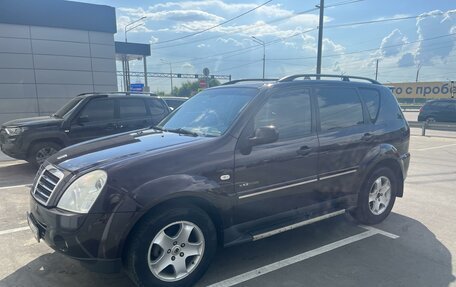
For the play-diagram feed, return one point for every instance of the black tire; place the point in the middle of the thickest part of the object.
(137, 252)
(431, 120)
(38, 148)
(363, 212)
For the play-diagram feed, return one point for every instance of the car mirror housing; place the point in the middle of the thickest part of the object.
(264, 135)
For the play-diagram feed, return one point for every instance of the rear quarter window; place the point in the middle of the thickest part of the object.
(132, 108)
(339, 108)
(156, 107)
(371, 98)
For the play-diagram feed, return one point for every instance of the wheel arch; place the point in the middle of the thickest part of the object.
(55, 140)
(182, 201)
(384, 155)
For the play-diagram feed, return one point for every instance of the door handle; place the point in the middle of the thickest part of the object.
(304, 150)
(367, 137)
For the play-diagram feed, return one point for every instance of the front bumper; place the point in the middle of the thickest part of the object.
(12, 146)
(93, 239)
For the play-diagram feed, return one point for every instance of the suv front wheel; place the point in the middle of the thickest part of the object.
(40, 151)
(376, 197)
(172, 247)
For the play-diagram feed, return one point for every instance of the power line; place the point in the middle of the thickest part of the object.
(239, 30)
(362, 51)
(239, 66)
(253, 27)
(386, 20)
(215, 26)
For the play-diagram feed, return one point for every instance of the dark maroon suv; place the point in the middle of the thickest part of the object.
(235, 163)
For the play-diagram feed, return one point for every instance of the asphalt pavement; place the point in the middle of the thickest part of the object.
(414, 246)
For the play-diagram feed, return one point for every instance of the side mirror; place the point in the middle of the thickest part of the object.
(264, 135)
(83, 119)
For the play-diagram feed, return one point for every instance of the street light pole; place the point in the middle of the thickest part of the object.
(170, 73)
(131, 23)
(264, 52)
(418, 73)
(320, 36)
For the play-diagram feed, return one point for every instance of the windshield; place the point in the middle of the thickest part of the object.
(63, 111)
(211, 112)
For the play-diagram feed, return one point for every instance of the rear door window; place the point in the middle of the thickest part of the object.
(132, 108)
(289, 112)
(371, 98)
(339, 108)
(99, 110)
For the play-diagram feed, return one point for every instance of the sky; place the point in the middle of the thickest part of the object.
(356, 34)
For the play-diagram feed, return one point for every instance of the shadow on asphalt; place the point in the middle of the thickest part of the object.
(417, 258)
(17, 174)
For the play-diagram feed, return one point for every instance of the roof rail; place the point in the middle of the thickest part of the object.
(117, 92)
(248, 80)
(344, 78)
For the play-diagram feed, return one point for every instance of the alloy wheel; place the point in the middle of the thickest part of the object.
(380, 195)
(176, 251)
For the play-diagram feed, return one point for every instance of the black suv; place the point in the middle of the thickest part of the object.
(174, 102)
(85, 117)
(235, 163)
(443, 110)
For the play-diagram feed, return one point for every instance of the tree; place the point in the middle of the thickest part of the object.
(189, 89)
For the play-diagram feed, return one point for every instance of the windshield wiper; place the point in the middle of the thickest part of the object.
(182, 131)
(158, 128)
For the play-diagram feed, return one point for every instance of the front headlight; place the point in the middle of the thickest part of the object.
(14, 131)
(82, 193)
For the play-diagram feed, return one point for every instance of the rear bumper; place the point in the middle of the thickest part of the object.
(405, 158)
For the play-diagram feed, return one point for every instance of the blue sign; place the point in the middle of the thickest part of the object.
(138, 87)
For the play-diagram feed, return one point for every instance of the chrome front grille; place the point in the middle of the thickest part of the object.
(46, 183)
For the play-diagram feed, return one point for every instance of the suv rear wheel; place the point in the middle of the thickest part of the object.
(173, 247)
(40, 151)
(377, 196)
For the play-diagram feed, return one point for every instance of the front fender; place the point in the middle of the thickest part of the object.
(174, 187)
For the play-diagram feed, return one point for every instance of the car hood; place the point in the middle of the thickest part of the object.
(35, 121)
(116, 148)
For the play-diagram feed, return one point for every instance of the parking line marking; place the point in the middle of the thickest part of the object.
(300, 257)
(16, 186)
(8, 231)
(379, 231)
(10, 163)
(434, 147)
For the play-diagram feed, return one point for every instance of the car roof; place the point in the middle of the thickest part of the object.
(117, 95)
(440, 100)
(174, 98)
(260, 85)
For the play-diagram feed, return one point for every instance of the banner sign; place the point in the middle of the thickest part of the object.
(429, 90)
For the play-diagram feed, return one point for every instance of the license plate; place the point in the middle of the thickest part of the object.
(33, 228)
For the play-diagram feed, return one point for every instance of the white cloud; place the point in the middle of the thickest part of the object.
(391, 44)
(231, 42)
(435, 24)
(153, 40)
(331, 48)
(407, 60)
(172, 15)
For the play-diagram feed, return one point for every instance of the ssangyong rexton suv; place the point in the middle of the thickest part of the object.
(233, 164)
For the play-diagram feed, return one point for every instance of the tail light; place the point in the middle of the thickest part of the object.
(421, 109)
